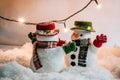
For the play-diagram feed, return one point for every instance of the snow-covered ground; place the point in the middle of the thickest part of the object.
(20, 54)
(19, 60)
(15, 71)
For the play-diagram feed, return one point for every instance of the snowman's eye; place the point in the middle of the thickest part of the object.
(81, 35)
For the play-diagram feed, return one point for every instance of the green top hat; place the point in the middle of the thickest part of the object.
(83, 25)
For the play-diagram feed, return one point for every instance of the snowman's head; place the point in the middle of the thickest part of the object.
(82, 30)
(80, 34)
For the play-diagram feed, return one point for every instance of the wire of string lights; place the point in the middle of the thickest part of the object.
(62, 21)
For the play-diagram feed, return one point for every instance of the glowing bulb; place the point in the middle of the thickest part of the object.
(99, 6)
(21, 20)
(65, 29)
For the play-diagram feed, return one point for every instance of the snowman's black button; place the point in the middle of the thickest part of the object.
(73, 56)
(81, 35)
(73, 63)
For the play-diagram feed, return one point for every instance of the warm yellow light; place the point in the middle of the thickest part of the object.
(65, 29)
(99, 6)
(21, 20)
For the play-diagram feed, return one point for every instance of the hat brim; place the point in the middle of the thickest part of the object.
(55, 32)
(77, 28)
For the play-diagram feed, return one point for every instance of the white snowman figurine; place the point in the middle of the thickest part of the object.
(85, 55)
(49, 51)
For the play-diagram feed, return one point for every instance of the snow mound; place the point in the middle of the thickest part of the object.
(110, 59)
(21, 54)
(15, 71)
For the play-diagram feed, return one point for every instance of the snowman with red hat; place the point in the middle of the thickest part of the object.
(49, 50)
(85, 55)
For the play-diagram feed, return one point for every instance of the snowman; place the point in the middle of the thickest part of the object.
(48, 50)
(85, 54)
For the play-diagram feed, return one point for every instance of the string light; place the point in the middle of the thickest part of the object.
(21, 20)
(62, 21)
(65, 30)
(99, 6)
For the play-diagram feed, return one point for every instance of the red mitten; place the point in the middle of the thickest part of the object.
(61, 42)
(100, 40)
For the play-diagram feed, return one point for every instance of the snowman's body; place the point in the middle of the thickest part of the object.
(52, 60)
(86, 54)
(88, 57)
(91, 59)
(49, 51)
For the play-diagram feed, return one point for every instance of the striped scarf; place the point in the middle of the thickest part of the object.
(43, 45)
(46, 44)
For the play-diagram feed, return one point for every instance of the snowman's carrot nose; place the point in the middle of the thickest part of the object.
(76, 35)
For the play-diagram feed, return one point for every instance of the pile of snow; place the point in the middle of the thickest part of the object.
(15, 71)
(20, 54)
(109, 58)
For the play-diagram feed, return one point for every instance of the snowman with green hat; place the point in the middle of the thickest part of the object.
(48, 50)
(85, 55)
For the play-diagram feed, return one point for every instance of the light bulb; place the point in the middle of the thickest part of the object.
(65, 29)
(21, 20)
(99, 6)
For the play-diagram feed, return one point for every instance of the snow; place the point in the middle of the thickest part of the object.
(51, 60)
(20, 54)
(15, 71)
(110, 59)
(19, 62)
